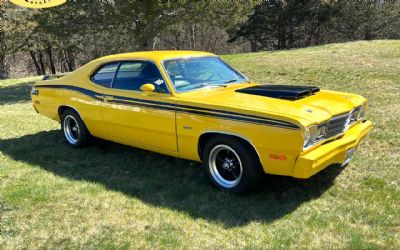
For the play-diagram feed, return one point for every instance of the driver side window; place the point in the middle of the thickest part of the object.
(133, 74)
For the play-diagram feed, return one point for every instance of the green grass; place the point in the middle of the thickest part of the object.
(113, 196)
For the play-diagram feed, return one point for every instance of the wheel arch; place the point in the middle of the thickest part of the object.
(207, 135)
(62, 108)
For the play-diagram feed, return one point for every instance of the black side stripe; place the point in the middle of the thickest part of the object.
(177, 107)
(236, 118)
(74, 88)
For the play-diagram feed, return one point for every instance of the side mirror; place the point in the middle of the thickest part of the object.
(148, 88)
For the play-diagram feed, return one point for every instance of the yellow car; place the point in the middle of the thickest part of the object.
(195, 106)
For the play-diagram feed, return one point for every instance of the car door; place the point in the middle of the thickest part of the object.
(135, 117)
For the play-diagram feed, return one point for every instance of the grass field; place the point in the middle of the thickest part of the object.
(113, 196)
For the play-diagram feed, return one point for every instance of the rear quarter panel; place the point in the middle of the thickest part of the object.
(52, 97)
(45, 102)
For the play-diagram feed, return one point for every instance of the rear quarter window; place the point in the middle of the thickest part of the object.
(105, 74)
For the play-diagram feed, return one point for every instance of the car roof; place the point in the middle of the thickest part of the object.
(159, 55)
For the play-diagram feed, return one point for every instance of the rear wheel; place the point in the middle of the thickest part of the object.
(231, 165)
(74, 129)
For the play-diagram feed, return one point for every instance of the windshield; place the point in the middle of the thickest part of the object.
(200, 72)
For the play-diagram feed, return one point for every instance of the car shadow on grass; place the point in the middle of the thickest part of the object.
(16, 93)
(165, 181)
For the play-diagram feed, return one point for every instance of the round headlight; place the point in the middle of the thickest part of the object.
(310, 136)
(307, 137)
(322, 130)
(361, 113)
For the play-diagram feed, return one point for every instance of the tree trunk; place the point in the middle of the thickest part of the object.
(146, 42)
(281, 37)
(290, 36)
(41, 63)
(35, 62)
(3, 70)
(253, 44)
(146, 45)
(70, 59)
(51, 61)
(194, 37)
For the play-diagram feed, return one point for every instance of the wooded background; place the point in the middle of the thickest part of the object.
(47, 41)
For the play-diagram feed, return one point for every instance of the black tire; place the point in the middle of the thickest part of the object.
(74, 129)
(223, 173)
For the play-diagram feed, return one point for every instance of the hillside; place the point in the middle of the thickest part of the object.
(113, 196)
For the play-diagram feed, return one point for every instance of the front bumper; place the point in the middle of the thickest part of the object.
(330, 153)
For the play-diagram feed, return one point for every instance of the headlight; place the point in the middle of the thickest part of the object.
(307, 137)
(363, 110)
(310, 136)
(322, 130)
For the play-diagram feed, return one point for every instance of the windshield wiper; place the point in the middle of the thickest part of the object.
(230, 81)
(197, 86)
(211, 84)
(223, 83)
(207, 84)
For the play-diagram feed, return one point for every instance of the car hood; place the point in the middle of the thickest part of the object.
(315, 108)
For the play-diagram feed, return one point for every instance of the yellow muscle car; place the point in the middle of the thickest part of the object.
(195, 106)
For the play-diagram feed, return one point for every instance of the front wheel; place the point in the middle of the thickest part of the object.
(231, 165)
(74, 129)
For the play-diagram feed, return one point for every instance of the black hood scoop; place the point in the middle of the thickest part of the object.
(287, 92)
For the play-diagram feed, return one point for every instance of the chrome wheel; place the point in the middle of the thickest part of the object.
(71, 129)
(225, 166)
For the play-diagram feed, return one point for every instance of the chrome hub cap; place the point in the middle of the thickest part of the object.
(225, 166)
(71, 129)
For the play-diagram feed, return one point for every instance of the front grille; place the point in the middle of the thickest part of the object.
(336, 125)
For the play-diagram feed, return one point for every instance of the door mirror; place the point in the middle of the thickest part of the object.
(148, 88)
